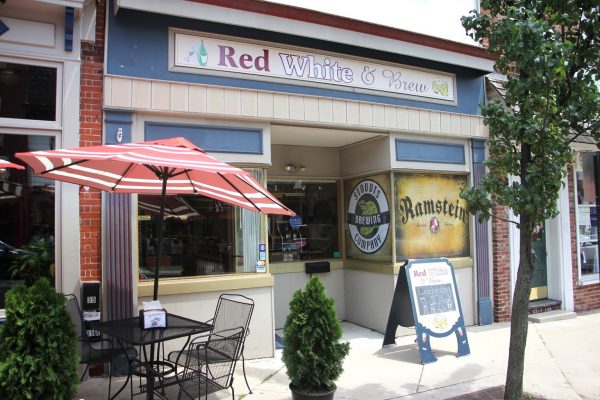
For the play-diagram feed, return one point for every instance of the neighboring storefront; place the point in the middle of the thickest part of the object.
(565, 248)
(369, 145)
(39, 109)
(584, 177)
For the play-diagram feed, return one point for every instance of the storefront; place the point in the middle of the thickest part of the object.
(39, 109)
(564, 248)
(370, 145)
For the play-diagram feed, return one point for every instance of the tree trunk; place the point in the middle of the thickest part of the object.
(519, 314)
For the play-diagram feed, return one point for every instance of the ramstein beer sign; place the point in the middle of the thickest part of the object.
(368, 216)
(431, 218)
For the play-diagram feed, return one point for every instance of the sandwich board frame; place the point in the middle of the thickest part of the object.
(435, 304)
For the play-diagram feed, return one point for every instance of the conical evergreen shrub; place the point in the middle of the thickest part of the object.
(38, 346)
(312, 352)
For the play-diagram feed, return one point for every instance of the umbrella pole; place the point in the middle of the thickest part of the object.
(159, 232)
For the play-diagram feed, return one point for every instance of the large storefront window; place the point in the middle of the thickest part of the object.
(202, 236)
(431, 219)
(587, 216)
(199, 237)
(26, 213)
(313, 233)
(27, 91)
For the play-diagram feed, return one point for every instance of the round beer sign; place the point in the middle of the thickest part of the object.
(368, 216)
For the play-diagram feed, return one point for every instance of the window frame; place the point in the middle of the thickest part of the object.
(32, 123)
(59, 216)
(591, 278)
(187, 278)
(339, 222)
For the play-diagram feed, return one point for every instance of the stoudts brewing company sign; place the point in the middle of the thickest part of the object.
(368, 216)
(197, 52)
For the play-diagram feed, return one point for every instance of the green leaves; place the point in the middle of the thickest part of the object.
(550, 52)
(312, 353)
(34, 261)
(38, 345)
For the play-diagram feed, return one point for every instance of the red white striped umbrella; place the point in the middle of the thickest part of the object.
(8, 164)
(9, 190)
(170, 166)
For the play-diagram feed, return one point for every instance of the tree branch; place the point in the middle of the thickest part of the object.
(510, 221)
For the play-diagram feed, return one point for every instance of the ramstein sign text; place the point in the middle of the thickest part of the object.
(411, 210)
(368, 216)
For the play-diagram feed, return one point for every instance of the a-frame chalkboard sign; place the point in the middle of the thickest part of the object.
(431, 287)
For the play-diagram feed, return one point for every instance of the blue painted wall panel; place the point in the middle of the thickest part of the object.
(115, 121)
(138, 47)
(209, 138)
(407, 150)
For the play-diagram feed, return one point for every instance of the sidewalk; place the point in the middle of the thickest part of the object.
(562, 363)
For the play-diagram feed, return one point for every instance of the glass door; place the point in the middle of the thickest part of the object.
(539, 281)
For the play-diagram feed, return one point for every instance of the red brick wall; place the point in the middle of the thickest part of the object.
(586, 297)
(501, 264)
(90, 134)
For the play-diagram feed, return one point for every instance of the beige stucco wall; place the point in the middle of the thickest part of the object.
(201, 306)
(287, 283)
(251, 105)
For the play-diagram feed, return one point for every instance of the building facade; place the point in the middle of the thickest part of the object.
(40, 70)
(565, 251)
(368, 133)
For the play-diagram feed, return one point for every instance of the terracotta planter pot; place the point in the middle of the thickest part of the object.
(299, 395)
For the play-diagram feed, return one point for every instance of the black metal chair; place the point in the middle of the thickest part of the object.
(206, 367)
(96, 351)
(233, 312)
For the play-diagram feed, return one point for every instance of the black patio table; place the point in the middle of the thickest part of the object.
(129, 331)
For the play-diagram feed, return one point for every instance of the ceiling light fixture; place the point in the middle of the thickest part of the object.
(292, 168)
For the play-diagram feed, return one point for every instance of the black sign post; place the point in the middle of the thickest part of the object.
(431, 286)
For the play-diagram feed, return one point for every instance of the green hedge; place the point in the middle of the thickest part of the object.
(38, 345)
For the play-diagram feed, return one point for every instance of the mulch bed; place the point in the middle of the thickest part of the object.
(493, 393)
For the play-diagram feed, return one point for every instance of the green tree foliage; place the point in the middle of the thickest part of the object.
(34, 261)
(550, 52)
(313, 354)
(38, 345)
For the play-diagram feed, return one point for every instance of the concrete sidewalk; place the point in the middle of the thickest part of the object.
(562, 363)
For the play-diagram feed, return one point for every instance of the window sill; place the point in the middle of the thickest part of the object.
(205, 284)
(589, 280)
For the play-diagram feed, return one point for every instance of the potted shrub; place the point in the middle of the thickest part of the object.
(38, 346)
(312, 352)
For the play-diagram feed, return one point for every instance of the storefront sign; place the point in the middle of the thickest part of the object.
(261, 266)
(295, 222)
(435, 304)
(368, 216)
(431, 218)
(199, 51)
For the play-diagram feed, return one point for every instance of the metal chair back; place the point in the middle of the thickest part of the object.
(233, 311)
(72, 306)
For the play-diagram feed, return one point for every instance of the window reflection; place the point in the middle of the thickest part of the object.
(587, 216)
(26, 208)
(313, 233)
(27, 92)
(199, 237)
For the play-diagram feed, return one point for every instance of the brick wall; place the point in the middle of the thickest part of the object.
(586, 297)
(90, 134)
(501, 264)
